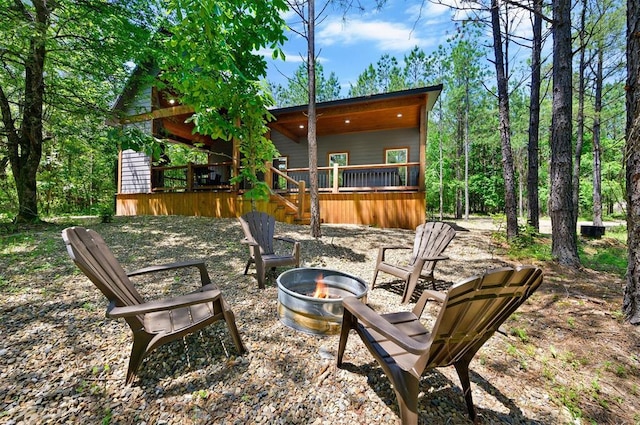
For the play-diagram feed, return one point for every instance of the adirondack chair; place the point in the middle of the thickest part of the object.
(156, 322)
(259, 228)
(430, 241)
(471, 311)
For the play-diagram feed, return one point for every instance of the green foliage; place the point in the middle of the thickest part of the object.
(297, 90)
(209, 58)
(612, 259)
(84, 48)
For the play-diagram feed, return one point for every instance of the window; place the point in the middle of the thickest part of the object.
(340, 158)
(280, 163)
(398, 156)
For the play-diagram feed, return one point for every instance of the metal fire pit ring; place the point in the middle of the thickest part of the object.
(318, 316)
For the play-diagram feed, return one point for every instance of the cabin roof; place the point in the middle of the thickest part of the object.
(386, 111)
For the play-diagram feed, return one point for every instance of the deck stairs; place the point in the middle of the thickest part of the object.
(290, 210)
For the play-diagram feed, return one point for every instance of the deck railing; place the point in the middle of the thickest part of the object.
(352, 178)
(336, 179)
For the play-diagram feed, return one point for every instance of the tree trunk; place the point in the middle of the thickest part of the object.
(597, 166)
(311, 126)
(561, 210)
(631, 301)
(511, 209)
(25, 143)
(580, 116)
(534, 121)
(466, 151)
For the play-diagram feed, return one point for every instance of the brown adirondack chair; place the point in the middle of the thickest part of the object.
(259, 229)
(430, 241)
(472, 310)
(156, 322)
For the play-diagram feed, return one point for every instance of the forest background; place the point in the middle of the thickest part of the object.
(77, 173)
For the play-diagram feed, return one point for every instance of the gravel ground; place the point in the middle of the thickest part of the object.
(62, 361)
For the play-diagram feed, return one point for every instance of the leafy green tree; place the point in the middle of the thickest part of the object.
(59, 57)
(297, 90)
(365, 84)
(209, 57)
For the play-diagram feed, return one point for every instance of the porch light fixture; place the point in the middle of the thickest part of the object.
(301, 126)
(347, 121)
(172, 101)
(399, 115)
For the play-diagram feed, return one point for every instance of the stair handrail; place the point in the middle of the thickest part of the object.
(299, 209)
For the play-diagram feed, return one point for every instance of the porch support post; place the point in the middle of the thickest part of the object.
(423, 147)
(235, 159)
(268, 175)
(335, 178)
(120, 172)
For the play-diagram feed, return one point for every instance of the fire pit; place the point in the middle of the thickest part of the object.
(310, 299)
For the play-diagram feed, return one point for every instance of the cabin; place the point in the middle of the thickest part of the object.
(371, 161)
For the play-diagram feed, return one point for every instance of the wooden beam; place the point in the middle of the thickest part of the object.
(158, 113)
(284, 131)
(358, 108)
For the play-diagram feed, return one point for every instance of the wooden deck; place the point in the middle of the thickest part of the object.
(381, 209)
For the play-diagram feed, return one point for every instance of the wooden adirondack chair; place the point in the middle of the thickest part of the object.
(430, 241)
(156, 322)
(472, 310)
(259, 228)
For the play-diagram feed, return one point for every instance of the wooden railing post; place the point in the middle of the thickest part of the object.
(268, 175)
(190, 177)
(301, 193)
(335, 178)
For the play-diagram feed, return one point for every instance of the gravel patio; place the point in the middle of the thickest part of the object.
(62, 361)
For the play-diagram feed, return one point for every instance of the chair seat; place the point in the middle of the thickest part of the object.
(401, 272)
(281, 260)
(408, 324)
(175, 321)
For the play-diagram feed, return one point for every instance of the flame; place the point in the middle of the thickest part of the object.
(322, 290)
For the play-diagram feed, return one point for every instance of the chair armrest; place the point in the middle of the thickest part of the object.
(199, 264)
(427, 295)
(250, 242)
(438, 258)
(386, 247)
(206, 294)
(383, 249)
(370, 318)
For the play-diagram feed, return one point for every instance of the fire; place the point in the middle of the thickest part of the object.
(322, 290)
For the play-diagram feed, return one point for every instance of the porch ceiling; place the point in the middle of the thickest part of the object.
(372, 113)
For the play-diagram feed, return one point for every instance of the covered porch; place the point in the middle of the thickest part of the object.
(371, 162)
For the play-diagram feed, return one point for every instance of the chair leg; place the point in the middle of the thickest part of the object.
(375, 276)
(246, 269)
(409, 287)
(408, 399)
(261, 275)
(138, 351)
(230, 318)
(462, 367)
(347, 324)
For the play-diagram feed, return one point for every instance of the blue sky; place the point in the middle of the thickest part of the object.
(347, 45)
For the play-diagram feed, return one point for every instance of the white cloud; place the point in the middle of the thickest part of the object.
(387, 36)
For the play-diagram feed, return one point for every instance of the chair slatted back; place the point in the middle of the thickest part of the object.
(91, 254)
(430, 241)
(261, 227)
(475, 308)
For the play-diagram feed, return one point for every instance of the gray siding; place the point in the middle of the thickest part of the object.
(136, 172)
(363, 148)
(138, 102)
